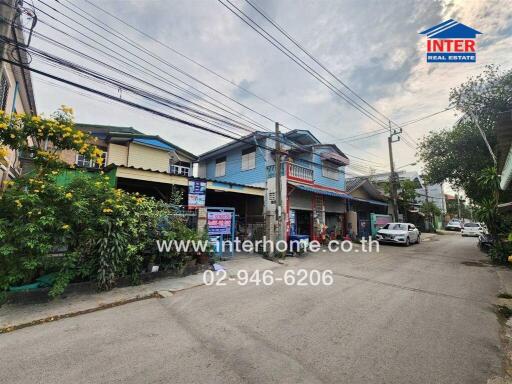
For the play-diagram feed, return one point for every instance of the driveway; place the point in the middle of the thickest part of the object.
(421, 314)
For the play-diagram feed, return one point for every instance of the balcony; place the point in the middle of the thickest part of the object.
(300, 173)
(179, 170)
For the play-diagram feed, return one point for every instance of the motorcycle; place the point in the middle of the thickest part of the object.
(485, 242)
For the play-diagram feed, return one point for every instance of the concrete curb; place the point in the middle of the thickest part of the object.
(101, 307)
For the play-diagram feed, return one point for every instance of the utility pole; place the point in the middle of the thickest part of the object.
(278, 185)
(393, 137)
(429, 213)
(458, 205)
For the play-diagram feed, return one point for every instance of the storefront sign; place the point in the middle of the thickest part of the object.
(219, 223)
(196, 193)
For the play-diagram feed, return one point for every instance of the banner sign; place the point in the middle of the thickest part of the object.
(196, 193)
(219, 223)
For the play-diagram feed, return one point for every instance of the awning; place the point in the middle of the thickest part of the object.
(375, 202)
(320, 191)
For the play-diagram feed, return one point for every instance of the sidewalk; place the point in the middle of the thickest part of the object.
(14, 316)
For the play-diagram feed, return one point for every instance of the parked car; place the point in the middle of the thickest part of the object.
(472, 229)
(453, 225)
(399, 233)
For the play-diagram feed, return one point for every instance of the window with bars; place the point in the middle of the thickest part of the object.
(4, 91)
(84, 162)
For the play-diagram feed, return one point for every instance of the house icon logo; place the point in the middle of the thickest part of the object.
(451, 42)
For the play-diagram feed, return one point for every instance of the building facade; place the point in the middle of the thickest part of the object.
(16, 93)
(313, 197)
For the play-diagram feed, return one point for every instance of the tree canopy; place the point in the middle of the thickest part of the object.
(459, 154)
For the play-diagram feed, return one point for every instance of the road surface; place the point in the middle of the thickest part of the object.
(421, 314)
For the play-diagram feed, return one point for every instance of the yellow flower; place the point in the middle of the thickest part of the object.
(68, 195)
(18, 203)
(12, 136)
(54, 172)
(107, 210)
(3, 125)
(66, 109)
(36, 190)
(65, 226)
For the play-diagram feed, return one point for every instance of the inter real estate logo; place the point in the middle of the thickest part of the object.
(451, 42)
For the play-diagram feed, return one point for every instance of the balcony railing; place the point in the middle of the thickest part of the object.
(299, 172)
(179, 170)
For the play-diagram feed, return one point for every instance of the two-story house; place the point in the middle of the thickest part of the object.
(153, 166)
(312, 184)
(138, 162)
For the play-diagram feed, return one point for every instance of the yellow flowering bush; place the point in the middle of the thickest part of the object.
(43, 138)
(104, 231)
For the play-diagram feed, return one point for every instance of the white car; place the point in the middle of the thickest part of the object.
(399, 233)
(454, 225)
(472, 229)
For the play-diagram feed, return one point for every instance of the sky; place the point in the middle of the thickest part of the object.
(373, 46)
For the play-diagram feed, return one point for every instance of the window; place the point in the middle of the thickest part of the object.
(220, 167)
(4, 91)
(181, 168)
(248, 159)
(330, 171)
(395, 227)
(84, 162)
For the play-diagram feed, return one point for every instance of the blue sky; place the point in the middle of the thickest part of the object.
(373, 46)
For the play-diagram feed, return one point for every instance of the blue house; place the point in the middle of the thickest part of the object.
(313, 179)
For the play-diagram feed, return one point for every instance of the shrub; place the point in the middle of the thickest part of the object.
(79, 227)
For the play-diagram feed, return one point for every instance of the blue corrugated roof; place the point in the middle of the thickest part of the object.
(370, 201)
(320, 191)
(154, 143)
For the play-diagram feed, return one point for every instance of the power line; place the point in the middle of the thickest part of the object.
(205, 68)
(272, 40)
(158, 101)
(147, 52)
(356, 157)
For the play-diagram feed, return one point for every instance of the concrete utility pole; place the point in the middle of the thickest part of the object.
(429, 213)
(458, 206)
(392, 178)
(279, 202)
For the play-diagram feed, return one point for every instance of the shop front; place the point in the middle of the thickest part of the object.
(316, 213)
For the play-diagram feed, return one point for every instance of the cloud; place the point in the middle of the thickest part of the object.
(373, 47)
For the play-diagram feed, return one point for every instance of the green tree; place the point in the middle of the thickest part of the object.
(460, 155)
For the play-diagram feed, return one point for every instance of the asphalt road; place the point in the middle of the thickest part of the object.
(421, 314)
